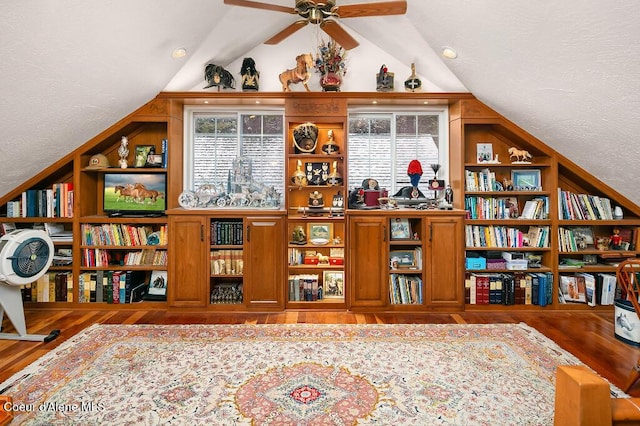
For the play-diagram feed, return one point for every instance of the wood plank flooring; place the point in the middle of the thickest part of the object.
(587, 335)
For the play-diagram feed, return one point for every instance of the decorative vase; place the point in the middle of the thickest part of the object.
(330, 82)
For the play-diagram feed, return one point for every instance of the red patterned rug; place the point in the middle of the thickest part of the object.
(297, 374)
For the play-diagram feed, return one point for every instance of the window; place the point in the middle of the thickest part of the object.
(215, 139)
(381, 145)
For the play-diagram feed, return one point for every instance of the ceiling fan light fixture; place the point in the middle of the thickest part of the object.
(449, 52)
(315, 16)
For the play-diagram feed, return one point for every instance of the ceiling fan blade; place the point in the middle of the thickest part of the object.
(258, 5)
(287, 32)
(373, 9)
(336, 32)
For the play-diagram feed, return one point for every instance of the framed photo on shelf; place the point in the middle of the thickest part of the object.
(400, 229)
(333, 284)
(142, 152)
(402, 259)
(154, 160)
(158, 284)
(526, 180)
(320, 233)
(484, 152)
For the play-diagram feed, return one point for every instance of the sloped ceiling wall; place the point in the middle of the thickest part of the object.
(564, 71)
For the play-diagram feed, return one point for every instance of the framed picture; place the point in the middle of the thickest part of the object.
(154, 160)
(484, 152)
(400, 228)
(526, 180)
(158, 283)
(333, 284)
(402, 259)
(320, 233)
(142, 152)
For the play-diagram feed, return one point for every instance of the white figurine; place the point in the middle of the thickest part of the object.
(123, 152)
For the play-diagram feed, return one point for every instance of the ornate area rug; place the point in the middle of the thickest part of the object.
(298, 374)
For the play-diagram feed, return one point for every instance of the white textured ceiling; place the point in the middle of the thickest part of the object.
(566, 71)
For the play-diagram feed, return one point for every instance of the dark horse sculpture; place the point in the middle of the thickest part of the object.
(299, 74)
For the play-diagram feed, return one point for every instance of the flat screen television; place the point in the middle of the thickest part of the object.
(134, 194)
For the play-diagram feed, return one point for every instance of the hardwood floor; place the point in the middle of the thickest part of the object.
(587, 335)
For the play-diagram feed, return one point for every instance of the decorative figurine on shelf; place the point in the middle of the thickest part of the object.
(435, 183)
(414, 171)
(507, 184)
(299, 74)
(330, 147)
(522, 156)
(316, 199)
(250, 75)
(123, 152)
(299, 236)
(217, 76)
(616, 239)
(298, 177)
(448, 195)
(384, 80)
(413, 83)
(334, 177)
(617, 213)
(305, 138)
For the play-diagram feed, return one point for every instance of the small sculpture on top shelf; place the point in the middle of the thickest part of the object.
(216, 75)
(300, 74)
(250, 75)
(384, 80)
(522, 156)
(123, 152)
(413, 83)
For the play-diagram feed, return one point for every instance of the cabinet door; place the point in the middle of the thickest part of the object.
(367, 262)
(445, 263)
(264, 266)
(188, 263)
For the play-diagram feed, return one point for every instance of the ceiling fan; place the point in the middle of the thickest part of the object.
(324, 13)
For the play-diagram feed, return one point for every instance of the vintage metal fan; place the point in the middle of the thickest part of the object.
(324, 14)
(25, 256)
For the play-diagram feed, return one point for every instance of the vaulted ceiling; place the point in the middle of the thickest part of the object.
(565, 71)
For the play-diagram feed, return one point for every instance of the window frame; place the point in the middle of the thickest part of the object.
(441, 111)
(190, 112)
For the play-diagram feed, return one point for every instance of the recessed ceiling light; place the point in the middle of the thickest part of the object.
(206, 102)
(449, 52)
(426, 102)
(178, 53)
(374, 102)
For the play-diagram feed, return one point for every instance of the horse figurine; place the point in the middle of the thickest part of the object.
(299, 74)
(520, 154)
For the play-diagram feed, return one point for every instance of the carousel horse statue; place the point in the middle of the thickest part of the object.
(300, 74)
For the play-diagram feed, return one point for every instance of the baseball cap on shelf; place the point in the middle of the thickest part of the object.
(99, 161)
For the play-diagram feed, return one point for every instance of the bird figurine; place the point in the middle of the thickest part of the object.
(123, 152)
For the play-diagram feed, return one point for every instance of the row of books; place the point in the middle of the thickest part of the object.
(56, 201)
(305, 287)
(592, 289)
(120, 234)
(503, 236)
(112, 286)
(484, 180)
(492, 207)
(51, 287)
(574, 206)
(519, 288)
(226, 262)
(405, 289)
(94, 257)
(224, 232)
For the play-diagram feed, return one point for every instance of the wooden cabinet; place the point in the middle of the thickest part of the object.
(227, 260)
(367, 261)
(406, 260)
(188, 261)
(264, 266)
